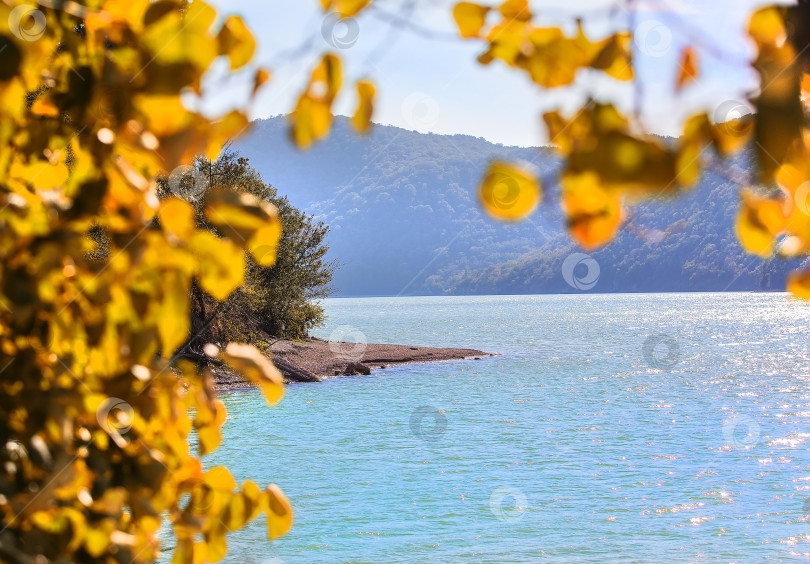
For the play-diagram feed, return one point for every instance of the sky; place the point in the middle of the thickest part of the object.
(428, 78)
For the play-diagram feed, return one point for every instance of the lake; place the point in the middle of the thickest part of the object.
(610, 427)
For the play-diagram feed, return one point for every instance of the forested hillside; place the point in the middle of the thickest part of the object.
(405, 219)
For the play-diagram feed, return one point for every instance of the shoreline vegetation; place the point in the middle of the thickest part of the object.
(315, 360)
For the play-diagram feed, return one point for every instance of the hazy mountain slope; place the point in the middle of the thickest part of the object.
(405, 220)
(395, 201)
(687, 244)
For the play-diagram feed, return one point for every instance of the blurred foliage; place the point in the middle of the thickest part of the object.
(96, 416)
(684, 245)
(608, 163)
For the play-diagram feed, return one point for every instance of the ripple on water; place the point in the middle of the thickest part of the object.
(585, 450)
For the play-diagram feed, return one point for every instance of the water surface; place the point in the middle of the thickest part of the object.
(573, 445)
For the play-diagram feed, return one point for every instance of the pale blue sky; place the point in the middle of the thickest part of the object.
(437, 85)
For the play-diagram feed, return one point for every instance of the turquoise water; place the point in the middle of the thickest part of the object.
(577, 443)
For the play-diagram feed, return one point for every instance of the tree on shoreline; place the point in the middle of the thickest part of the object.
(278, 301)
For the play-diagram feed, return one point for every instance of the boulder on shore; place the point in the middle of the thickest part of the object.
(357, 368)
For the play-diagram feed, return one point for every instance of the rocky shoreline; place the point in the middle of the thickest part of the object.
(314, 360)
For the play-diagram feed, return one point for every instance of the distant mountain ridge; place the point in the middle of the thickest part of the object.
(405, 220)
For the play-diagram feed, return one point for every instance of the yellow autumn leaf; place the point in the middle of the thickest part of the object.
(767, 26)
(209, 425)
(173, 314)
(44, 108)
(261, 77)
(247, 221)
(96, 541)
(235, 513)
(516, 10)
(470, 18)
(565, 134)
(593, 214)
(615, 58)
(326, 79)
(236, 42)
(221, 264)
(508, 192)
(252, 498)
(181, 37)
(164, 114)
(279, 512)
(688, 70)
(697, 133)
(345, 8)
(734, 134)
(40, 174)
(48, 521)
(12, 99)
(264, 243)
(78, 527)
(311, 122)
(210, 437)
(365, 106)
(555, 58)
(779, 110)
(186, 551)
(312, 117)
(237, 215)
(216, 544)
(255, 367)
(220, 479)
(798, 284)
(177, 218)
(199, 553)
(220, 412)
(759, 221)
